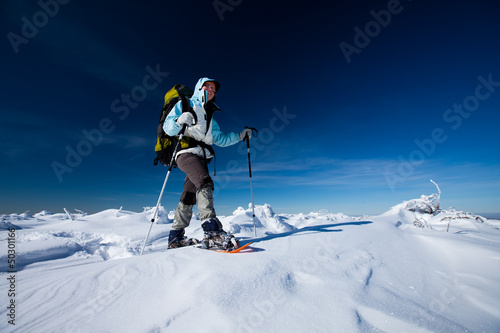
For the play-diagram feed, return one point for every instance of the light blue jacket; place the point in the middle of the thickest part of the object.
(199, 131)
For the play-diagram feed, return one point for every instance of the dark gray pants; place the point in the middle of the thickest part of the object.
(198, 188)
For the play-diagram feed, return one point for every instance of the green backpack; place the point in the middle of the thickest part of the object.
(165, 144)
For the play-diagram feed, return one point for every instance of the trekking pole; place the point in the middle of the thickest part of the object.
(247, 138)
(155, 215)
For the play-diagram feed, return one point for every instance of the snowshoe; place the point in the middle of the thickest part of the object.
(220, 240)
(183, 242)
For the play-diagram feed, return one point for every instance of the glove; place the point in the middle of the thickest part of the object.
(247, 132)
(186, 118)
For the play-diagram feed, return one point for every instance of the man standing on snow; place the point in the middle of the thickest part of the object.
(202, 131)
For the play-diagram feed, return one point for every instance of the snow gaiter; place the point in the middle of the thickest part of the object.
(183, 215)
(205, 199)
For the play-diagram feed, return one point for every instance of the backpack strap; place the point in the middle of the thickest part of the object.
(210, 109)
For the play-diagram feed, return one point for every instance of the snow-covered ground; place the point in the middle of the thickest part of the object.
(403, 271)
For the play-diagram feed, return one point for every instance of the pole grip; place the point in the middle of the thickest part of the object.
(255, 133)
(249, 164)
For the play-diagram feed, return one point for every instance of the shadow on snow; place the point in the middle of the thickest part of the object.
(310, 229)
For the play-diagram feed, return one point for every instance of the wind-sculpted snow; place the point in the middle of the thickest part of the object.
(265, 220)
(408, 270)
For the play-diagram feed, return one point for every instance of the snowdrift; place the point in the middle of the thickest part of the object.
(411, 269)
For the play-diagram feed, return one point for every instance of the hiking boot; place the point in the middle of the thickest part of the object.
(215, 236)
(175, 238)
(212, 224)
(174, 245)
(219, 239)
(175, 235)
(183, 242)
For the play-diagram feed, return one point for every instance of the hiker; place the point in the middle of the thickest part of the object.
(202, 131)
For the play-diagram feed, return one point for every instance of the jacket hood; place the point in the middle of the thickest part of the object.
(198, 93)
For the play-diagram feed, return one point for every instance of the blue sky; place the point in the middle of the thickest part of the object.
(359, 104)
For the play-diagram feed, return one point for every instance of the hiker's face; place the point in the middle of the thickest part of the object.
(210, 88)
